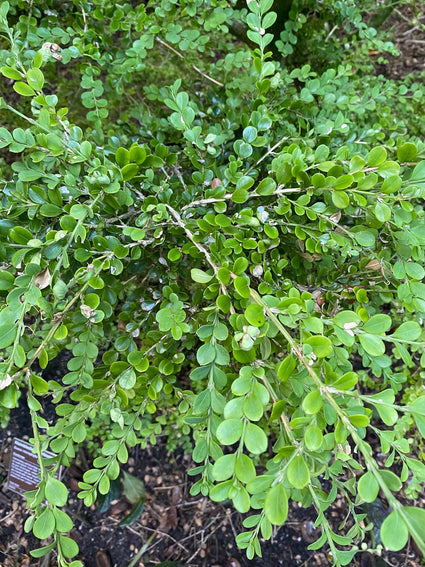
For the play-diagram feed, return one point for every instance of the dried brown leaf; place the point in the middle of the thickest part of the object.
(43, 279)
(169, 520)
(373, 265)
(336, 217)
(103, 559)
(5, 382)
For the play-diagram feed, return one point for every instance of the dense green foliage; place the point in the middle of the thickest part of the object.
(226, 231)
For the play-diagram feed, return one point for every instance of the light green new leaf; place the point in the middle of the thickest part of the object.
(23, 89)
(286, 367)
(312, 403)
(408, 331)
(229, 431)
(346, 381)
(199, 276)
(266, 186)
(254, 314)
(206, 354)
(127, 379)
(220, 491)
(56, 492)
(253, 407)
(391, 480)
(7, 334)
(368, 487)
(416, 517)
(42, 551)
(321, 346)
(63, 521)
(377, 324)
(241, 500)
(419, 172)
(244, 468)
(376, 156)
(372, 344)
(313, 437)
(11, 73)
(129, 171)
(68, 546)
(35, 79)
(44, 524)
(276, 505)
(224, 467)
(255, 439)
(407, 152)
(298, 472)
(6, 280)
(394, 533)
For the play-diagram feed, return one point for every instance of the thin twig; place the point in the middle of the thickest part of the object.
(401, 15)
(84, 18)
(281, 190)
(202, 531)
(153, 531)
(407, 32)
(198, 245)
(271, 150)
(8, 516)
(274, 398)
(407, 552)
(415, 40)
(194, 67)
(331, 33)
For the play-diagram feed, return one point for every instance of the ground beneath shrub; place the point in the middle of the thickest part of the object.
(409, 33)
(174, 527)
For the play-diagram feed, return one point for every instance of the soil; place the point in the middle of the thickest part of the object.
(408, 32)
(175, 529)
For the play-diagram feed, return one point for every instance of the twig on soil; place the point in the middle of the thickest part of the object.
(229, 518)
(407, 552)
(204, 539)
(401, 15)
(163, 534)
(8, 516)
(170, 488)
(203, 530)
(407, 32)
(415, 40)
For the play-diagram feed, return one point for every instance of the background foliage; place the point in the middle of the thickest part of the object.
(224, 227)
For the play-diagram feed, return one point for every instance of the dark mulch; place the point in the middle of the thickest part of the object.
(409, 34)
(175, 527)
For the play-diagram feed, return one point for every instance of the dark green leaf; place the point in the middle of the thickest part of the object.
(134, 514)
